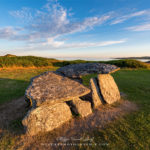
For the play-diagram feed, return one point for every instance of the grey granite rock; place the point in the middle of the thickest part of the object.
(96, 95)
(109, 89)
(80, 107)
(46, 118)
(50, 88)
(78, 70)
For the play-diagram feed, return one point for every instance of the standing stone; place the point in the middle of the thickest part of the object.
(81, 107)
(96, 96)
(108, 88)
(46, 118)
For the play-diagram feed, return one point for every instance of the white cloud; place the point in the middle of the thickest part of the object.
(95, 44)
(144, 27)
(52, 44)
(129, 16)
(24, 14)
(7, 32)
(56, 22)
(53, 20)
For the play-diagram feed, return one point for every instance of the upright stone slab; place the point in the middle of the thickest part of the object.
(108, 87)
(51, 87)
(46, 118)
(81, 107)
(96, 96)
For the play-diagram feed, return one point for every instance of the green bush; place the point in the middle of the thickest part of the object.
(25, 61)
(32, 61)
(65, 63)
(128, 63)
(124, 63)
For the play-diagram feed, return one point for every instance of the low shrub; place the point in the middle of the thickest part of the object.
(65, 63)
(123, 63)
(128, 63)
(32, 61)
(25, 61)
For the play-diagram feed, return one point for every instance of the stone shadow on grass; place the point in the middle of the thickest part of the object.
(12, 108)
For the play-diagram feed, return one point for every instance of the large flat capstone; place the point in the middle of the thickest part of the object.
(46, 118)
(51, 87)
(78, 70)
(109, 89)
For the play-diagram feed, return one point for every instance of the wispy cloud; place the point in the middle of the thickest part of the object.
(53, 20)
(25, 14)
(129, 16)
(95, 44)
(7, 32)
(44, 26)
(144, 27)
(52, 44)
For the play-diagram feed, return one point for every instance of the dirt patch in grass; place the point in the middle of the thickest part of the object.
(12, 113)
(77, 127)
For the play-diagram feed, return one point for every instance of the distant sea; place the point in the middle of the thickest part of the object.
(97, 59)
(143, 60)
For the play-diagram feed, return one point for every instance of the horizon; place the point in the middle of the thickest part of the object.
(141, 58)
(61, 29)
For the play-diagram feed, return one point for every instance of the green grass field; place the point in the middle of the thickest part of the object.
(131, 132)
(14, 82)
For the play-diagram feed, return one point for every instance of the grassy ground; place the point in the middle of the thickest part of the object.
(129, 132)
(133, 130)
(14, 82)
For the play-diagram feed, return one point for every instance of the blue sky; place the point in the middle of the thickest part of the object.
(75, 28)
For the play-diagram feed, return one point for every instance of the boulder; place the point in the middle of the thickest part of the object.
(108, 87)
(96, 95)
(80, 107)
(51, 87)
(78, 70)
(46, 118)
